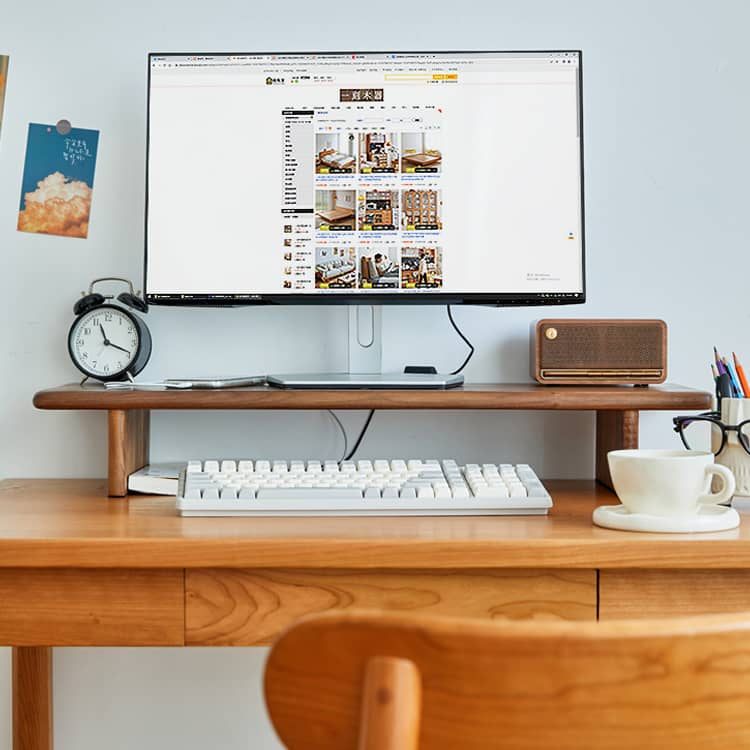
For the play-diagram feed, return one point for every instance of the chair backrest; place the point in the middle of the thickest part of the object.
(378, 681)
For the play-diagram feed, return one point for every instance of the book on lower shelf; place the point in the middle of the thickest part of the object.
(156, 479)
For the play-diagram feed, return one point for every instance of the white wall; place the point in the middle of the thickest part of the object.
(666, 123)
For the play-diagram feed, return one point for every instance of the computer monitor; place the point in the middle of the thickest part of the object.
(420, 177)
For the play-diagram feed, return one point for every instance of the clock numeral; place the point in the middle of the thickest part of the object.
(107, 317)
(86, 331)
(84, 355)
(106, 368)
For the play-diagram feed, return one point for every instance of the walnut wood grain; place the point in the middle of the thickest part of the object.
(652, 684)
(73, 607)
(391, 705)
(128, 447)
(250, 607)
(615, 430)
(472, 396)
(626, 594)
(69, 523)
(32, 698)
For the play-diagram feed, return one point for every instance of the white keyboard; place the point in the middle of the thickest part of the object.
(358, 488)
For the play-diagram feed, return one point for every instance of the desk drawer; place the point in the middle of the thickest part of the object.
(83, 607)
(634, 594)
(232, 607)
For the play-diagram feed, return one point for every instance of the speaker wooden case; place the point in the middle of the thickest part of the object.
(566, 352)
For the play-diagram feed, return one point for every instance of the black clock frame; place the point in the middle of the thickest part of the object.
(142, 355)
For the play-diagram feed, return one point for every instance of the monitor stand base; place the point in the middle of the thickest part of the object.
(365, 360)
(338, 380)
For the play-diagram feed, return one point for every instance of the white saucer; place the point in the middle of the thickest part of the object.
(708, 518)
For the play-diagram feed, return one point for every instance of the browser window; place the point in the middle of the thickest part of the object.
(442, 173)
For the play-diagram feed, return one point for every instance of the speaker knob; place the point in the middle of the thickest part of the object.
(551, 333)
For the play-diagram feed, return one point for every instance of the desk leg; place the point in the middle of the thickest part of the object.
(32, 698)
(128, 447)
(614, 430)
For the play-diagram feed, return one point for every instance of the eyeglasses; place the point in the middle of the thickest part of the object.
(694, 431)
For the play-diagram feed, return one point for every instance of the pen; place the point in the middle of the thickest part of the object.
(723, 386)
(741, 375)
(733, 377)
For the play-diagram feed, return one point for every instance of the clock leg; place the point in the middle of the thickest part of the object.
(32, 698)
(128, 447)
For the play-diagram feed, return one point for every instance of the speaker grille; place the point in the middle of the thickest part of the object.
(590, 346)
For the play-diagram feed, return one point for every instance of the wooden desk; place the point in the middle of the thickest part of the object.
(79, 569)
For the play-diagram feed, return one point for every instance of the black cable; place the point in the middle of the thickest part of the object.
(466, 341)
(361, 435)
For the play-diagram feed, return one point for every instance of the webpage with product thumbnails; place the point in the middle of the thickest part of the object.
(323, 174)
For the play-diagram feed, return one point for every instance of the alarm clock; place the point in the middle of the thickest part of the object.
(107, 341)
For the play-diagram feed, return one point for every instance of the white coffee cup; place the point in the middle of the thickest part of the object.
(665, 482)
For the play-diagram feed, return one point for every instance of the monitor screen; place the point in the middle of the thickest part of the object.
(365, 177)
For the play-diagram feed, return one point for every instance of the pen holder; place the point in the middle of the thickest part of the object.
(734, 456)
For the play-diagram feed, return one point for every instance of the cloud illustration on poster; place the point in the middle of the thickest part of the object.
(58, 206)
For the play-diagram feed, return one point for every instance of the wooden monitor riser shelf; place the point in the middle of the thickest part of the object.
(616, 408)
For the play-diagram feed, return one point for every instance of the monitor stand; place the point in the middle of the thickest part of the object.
(365, 361)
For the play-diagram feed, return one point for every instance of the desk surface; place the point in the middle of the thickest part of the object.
(70, 523)
(472, 396)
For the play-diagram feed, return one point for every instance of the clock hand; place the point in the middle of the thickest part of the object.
(120, 348)
(106, 340)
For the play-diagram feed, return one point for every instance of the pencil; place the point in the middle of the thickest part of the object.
(741, 375)
(735, 380)
(714, 372)
(719, 364)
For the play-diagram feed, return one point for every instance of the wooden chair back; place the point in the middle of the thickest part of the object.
(373, 681)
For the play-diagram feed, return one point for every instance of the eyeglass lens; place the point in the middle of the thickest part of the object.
(701, 435)
(704, 435)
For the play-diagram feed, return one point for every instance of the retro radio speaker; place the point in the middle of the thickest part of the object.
(630, 352)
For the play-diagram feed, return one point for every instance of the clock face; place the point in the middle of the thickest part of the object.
(104, 342)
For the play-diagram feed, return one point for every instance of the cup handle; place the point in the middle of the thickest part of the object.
(726, 492)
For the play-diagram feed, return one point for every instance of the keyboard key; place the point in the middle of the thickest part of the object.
(309, 493)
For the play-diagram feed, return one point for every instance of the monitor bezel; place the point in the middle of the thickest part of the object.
(505, 299)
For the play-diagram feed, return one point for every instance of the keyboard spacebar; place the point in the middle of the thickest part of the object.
(309, 493)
